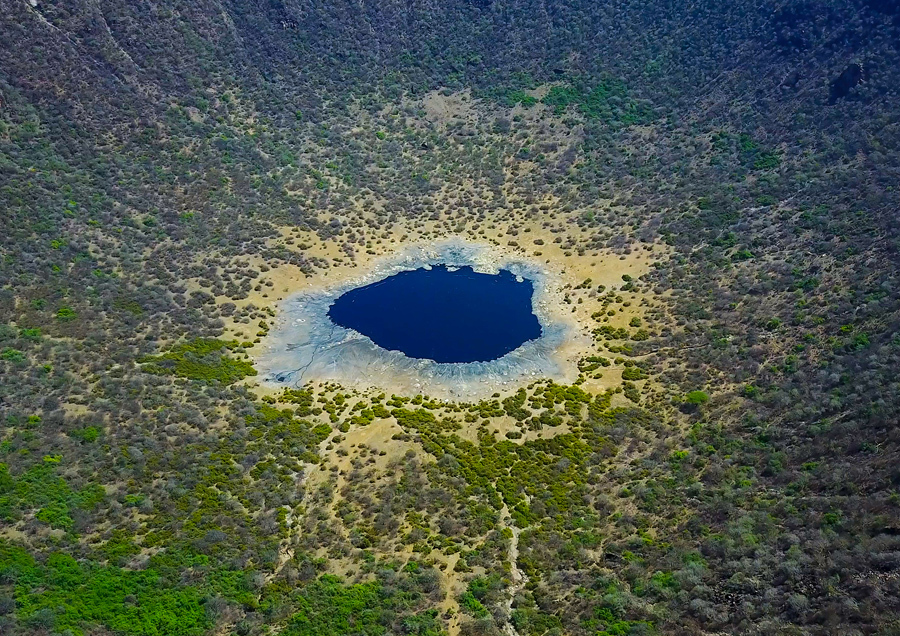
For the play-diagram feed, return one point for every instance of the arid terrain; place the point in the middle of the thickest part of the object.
(711, 191)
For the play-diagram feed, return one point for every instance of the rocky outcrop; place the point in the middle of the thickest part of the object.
(846, 82)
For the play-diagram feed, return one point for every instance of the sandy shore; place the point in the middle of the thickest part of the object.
(299, 344)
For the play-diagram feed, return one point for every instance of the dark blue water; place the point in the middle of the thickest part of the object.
(442, 315)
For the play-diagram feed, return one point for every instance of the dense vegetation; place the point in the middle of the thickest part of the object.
(161, 163)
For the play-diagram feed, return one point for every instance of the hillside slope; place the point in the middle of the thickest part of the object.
(168, 169)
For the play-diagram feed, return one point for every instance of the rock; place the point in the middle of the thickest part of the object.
(846, 81)
(791, 80)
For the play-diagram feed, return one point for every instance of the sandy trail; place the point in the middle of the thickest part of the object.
(517, 578)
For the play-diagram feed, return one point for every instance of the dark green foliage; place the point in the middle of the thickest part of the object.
(512, 98)
(613, 626)
(633, 373)
(42, 491)
(561, 97)
(77, 597)
(327, 607)
(33, 334)
(607, 101)
(131, 306)
(12, 355)
(119, 548)
(592, 363)
(608, 332)
(303, 399)
(631, 392)
(514, 406)
(534, 622)
(301, 437)
(470, 601)
(549, 471)
(7, 483)
(766, 161)
(88, 434)
(201, 359)
(513, 92)
(696, 398)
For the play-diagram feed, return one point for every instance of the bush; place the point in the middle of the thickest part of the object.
(633, 373)
(201, 359)
(697, 398)
(12, 355)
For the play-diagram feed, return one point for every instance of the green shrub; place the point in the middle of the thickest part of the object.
(326, 607)
(202, 359)
(79, 597)
(696, 398)
(33, 334)
(766, 161)
(12, 355)
(88, 434)
(631, 392)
